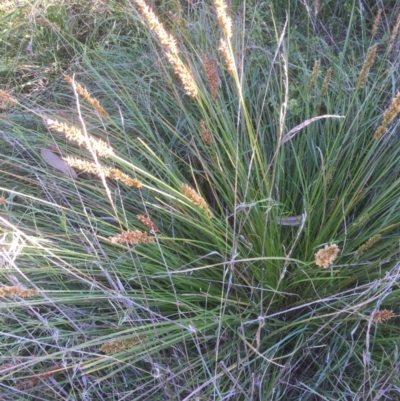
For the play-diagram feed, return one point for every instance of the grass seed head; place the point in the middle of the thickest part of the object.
(382, 315)
(369, 61)
(132, 237)
(325, 256)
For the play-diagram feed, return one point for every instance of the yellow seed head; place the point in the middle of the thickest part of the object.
(325, 256)
(370, 243)
(369, 61)
(75, 134)
(171, 48)
(227, 56)
(395, 32)
(17, 291)
(195, 198)
(376, 22)
(93, 168)
(119, 345)
(132, 237)
(224, 20)
(314, 74)
(388, 116)
(82, 91)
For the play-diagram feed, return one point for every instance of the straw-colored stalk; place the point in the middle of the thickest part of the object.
(75, 134)
(369, 61)
(132, 237)
(382, 315)
(325, 256)
(390, 113)
(112, 173)
(82, 91)
(171, 49)
(369, 244)
(17, 292)
(376, 23)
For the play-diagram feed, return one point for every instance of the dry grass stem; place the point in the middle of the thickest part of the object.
(132, 237)
(224, 20)
(82, 91)
(195, 198)
(212, 76)
(325, 257)
(388, 116)
(75, 134)
(369, 244)
(227, 56)
(112, 173)
(205, 134)
(147, 222)
(369, 61)
(376, 23)
(382, 315)
(171, 48)
(119, 345)
(17, 291)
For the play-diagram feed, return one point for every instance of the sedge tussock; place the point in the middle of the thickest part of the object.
(195, 198)
(325, 256)
(224, 20)
(172, 52)
(369, 61)
(17, 291)
(205, 133)
(227, 56)
(382, 315)
(82, 91)
(369, 244)
(376, 22)
(112, 173)
(75, 134)
(388, 116)
(314, 74)
(147, 222)
(132, 237)
(395, 32)
(119, 345)
(212, 76)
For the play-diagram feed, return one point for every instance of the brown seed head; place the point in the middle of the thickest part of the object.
(147, 222)
(324, 257)
(369, 61)
(382, 315)
(376, 23)
(132, 237)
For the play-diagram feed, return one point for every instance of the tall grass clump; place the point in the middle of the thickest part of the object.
(209, 212)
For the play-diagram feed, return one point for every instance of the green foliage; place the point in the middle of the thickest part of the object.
(227, 302)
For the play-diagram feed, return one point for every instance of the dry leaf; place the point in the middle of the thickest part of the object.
(55, 161)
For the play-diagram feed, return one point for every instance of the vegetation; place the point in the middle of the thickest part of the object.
(199, 201)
